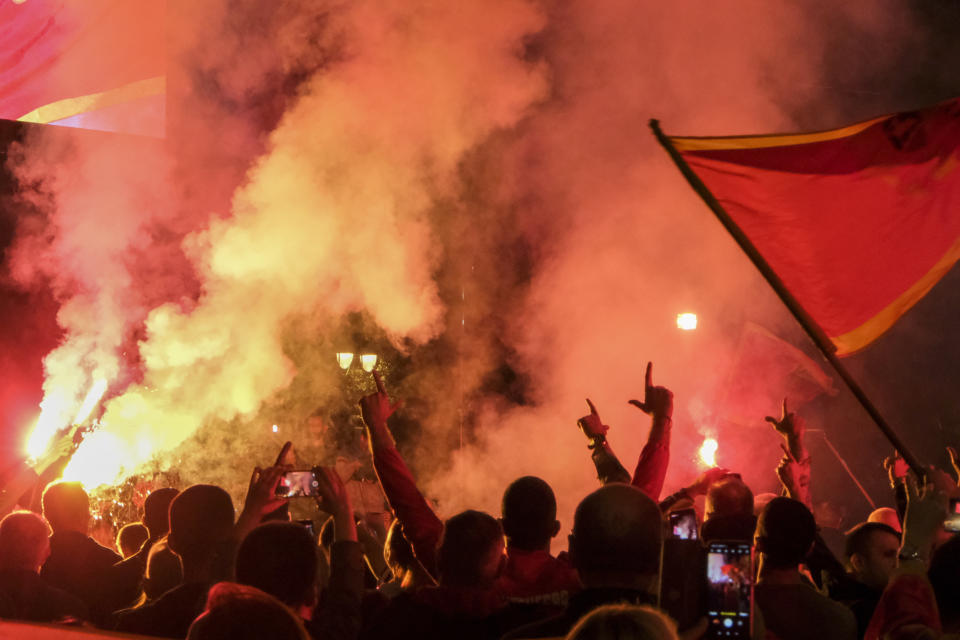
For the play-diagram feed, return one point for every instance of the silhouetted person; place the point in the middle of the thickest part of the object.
(529, 519)
(728, 511)
(944, 574)
(871, 551)
(615, 547)
(78, 564)
(130, 538)
(239, 612)
(156, 510)
(24, 546)
(201, 524)
(408, 573)
(792, 609)
(624, 622)
(466, 603)
(163, 571)
(280, 558)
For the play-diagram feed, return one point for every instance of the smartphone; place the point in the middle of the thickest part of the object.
(683, 524)
(729, 590)
(952, 523)
(682, 593)
(298, 484)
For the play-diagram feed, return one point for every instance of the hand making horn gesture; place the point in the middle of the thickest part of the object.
(591, 425)
(789, 424)
(376, 407)
(657, 401)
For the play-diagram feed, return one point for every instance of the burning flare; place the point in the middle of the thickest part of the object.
(53, 412)
(708, 452)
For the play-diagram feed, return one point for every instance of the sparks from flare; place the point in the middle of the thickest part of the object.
(708, 452)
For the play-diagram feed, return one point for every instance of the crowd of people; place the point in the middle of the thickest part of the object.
(194, 568)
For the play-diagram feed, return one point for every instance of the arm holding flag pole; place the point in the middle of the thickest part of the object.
(809, 325)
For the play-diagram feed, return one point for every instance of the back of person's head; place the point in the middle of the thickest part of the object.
(871, 550)
(24, 541)
(201, 517)
(156, 511)
(887, 516)
(944, 574)
(616, 529)
(397, 552)
(733, 527)
(163, 570)
(471, 550)
(529, 514)
(66, 506)
(240, 612)
(130, 538)
(785, 533)
(624, 622)
(280, 558)
(728, 497)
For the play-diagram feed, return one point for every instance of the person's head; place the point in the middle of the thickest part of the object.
(201, 518)
(529, 514)
(728, 497)
(130, 538)
(156, 511)
(871, 551)
(616, 538)
(887, 516)
(280, 558)
(471, 550)
(785, 533)
(24, 541)
(624, 622)
(163, 570)
(240, 612)
(944, 574)
(66, 507)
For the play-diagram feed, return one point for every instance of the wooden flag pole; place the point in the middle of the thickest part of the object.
(826, 346)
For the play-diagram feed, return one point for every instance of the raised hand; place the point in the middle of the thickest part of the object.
(591, 424)
(657, 401)
(790, 424)
(376, 407)
(334, 499)
(926, 511)
(261, 494)
(897, 469)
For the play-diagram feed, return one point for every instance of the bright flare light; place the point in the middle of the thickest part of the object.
(53, 416)
(344, 360)
(98, 461)
(708, 452)
(276, 428)
(687, 321)
(368, 361)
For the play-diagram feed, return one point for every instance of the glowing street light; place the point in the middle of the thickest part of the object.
(344, 360)
(368, 361)
(686, 321)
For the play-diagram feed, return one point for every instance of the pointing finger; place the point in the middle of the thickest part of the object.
(785, 410)
(593, 409)
(649, 377)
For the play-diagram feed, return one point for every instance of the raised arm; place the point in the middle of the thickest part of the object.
(605, 460)
(794, 468)
(420, 525)
(655, 457)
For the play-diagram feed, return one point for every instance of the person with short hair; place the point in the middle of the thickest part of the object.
(871, 552)
(241, 612)
(615, 547)
(77, 563)
(130, 538)
(24, 546)
(624, 622)
(792, 609)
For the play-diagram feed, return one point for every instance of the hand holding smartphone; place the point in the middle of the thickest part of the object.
(301, 483)
(729, 590)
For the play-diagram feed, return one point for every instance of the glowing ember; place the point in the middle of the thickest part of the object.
(708, 452)
(687, 321)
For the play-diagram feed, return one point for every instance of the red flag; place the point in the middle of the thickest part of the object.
(859, 222)
(96, 64)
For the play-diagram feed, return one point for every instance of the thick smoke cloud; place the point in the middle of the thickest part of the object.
(475, 179)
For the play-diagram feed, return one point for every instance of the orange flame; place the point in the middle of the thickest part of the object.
(708, 452)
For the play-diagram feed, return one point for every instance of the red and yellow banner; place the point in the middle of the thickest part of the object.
(97, 64)
(859, 222)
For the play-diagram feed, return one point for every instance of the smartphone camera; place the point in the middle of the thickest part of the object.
(298, 484)
(729, 590)
(683, 524)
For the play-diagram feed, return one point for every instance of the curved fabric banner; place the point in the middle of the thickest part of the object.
(859, 222)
